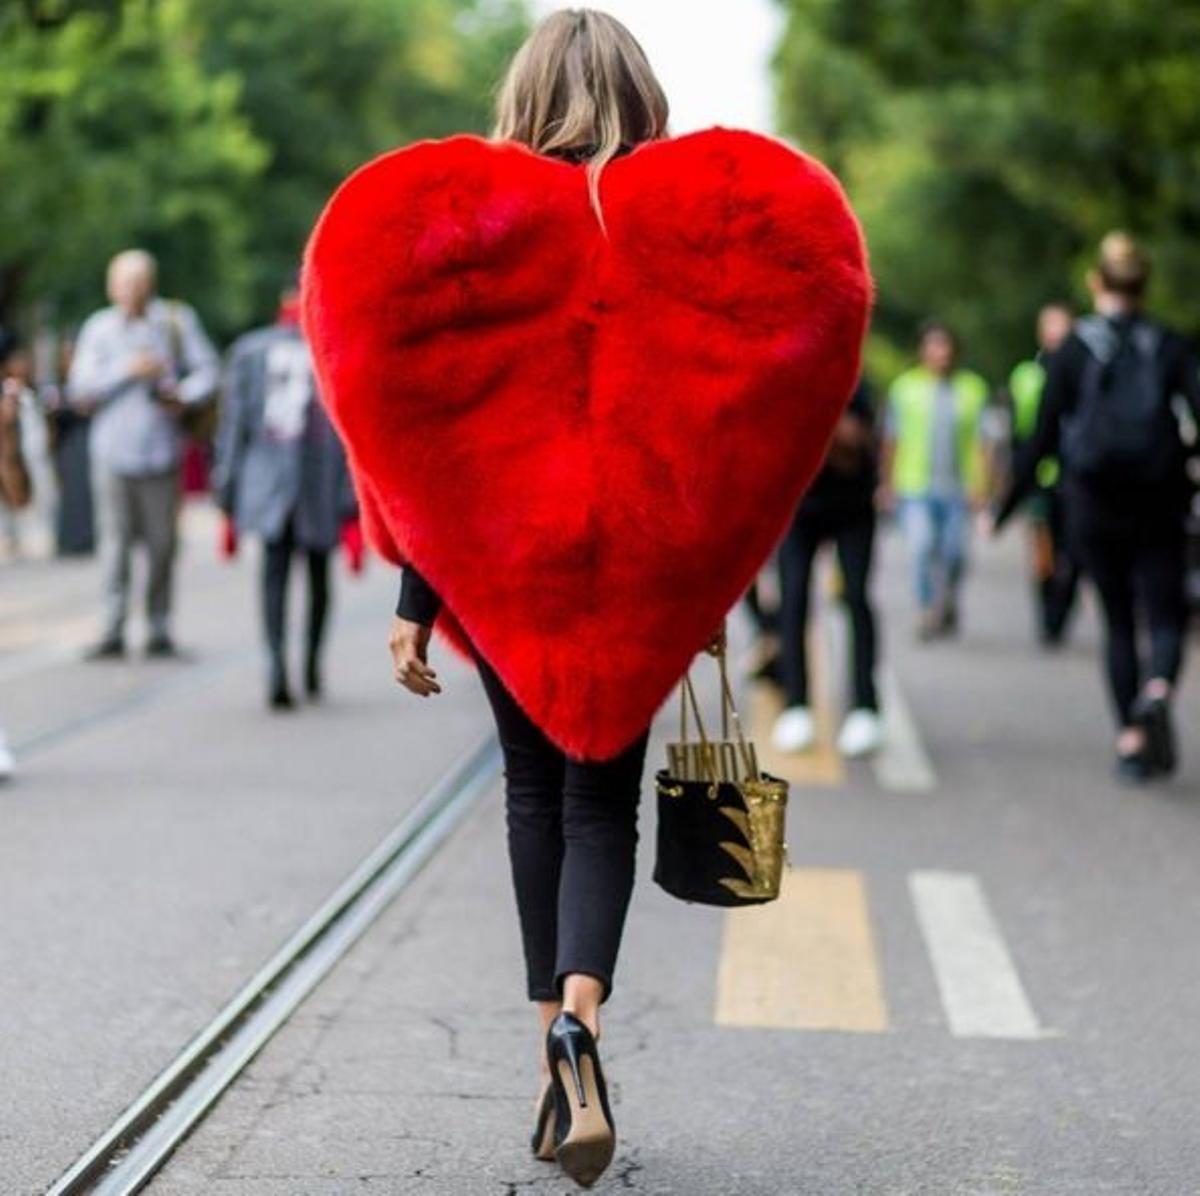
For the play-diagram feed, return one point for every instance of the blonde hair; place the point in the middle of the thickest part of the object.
(1122, 265)
(581, 81)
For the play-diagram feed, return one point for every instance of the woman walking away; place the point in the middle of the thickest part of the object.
(584, 372)
(839, 507)
(1109, 413)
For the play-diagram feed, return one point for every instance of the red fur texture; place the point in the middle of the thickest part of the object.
(588, 440)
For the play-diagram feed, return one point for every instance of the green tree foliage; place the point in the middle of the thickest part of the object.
(212, 131)
(988, 144)
(328, 85)
(113, 135)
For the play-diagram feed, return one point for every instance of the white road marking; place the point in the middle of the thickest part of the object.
(902, 763)
(980, 989)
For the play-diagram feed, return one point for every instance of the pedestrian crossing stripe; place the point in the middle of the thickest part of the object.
(980, 990)
(810, 960)
(806, 961)
(902, 764)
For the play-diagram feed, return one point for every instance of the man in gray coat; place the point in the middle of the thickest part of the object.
(281, 474)
(138, 366)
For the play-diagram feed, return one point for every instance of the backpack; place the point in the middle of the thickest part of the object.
(1123, 429)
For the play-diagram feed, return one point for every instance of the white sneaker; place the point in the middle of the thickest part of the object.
(7, 763)
(794, 730)
(861, 733)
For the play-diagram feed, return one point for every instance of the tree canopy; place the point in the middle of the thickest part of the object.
(212, 131)
(989, 144)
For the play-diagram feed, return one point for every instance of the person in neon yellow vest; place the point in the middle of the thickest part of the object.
(934, 465)
(1055, 574)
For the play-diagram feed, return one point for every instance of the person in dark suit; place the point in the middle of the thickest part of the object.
(281, 474)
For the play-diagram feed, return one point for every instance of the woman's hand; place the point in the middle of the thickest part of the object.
(409, 644)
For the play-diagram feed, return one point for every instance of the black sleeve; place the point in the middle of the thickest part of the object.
(1062, 374)
(418, 602)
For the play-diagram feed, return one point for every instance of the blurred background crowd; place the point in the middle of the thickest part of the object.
(988, 147)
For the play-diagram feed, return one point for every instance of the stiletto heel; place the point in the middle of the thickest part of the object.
(584, 1134)
(542, 1142)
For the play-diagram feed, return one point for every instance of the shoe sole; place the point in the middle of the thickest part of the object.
(543, 1146)
(587, 1150)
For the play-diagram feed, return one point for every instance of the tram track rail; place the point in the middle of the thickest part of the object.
(127, 1156)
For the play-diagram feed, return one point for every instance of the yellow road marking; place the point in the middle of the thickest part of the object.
(821, 764)
(805, 962)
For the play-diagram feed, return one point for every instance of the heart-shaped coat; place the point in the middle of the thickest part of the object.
(587, 437)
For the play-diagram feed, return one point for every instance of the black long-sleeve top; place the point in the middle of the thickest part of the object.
(419, 602)
(1064, 376)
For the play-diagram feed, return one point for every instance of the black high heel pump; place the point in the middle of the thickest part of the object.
(584, 1135)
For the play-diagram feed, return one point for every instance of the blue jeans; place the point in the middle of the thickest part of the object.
(936, 527)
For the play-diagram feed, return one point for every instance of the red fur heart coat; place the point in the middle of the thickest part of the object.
(587, 438)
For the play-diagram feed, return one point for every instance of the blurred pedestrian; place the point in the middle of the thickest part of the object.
(75, 531)
(933, 465)
(1109, 413)
(281, 474)
(15, 490)
(30, 531)
(761, 603)
(838, 508)
(1054, 571)
(139, 365)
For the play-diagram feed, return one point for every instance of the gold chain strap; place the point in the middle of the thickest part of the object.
(729, 712)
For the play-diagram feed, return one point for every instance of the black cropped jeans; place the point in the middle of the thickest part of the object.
(572, 841)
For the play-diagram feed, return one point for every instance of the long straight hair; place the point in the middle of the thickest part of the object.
(581, 82)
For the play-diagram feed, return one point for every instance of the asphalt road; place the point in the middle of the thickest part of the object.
(983, 977)
(165, 832)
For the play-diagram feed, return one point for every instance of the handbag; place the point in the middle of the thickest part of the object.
(720, 820)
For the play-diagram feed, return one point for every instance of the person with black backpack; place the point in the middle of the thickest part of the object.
(1110, 411)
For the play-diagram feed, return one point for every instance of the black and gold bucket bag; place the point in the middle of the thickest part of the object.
(720, 819)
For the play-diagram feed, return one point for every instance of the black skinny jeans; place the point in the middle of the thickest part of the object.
(1135, 558)
(854, 534)
(572, 841)
(277, 561)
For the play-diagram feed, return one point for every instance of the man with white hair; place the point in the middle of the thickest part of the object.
(138, 365)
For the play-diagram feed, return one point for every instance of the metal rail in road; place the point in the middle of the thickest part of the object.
(125, 1158)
